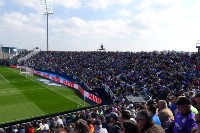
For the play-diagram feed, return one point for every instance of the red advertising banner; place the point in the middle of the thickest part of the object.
(13, 66)
(70, 84)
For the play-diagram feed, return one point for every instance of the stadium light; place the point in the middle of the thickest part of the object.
(47, 10)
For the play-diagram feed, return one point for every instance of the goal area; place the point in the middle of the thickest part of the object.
(26, 71)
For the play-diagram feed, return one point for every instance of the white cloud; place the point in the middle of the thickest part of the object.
(125, 12)
(68, 3)
(17, 28)
(38, 4)
(159, 11)
(35, 4)
(171, 24)
(104, 4)
(15, 18)
(2, 3)
(104, 28)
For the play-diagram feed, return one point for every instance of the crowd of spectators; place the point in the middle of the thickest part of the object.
(171, 78)
(125, 72)
(14, 59)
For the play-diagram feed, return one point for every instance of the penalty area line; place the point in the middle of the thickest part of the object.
(4, 78)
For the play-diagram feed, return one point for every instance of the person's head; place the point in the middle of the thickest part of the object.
(81, 126)
(126, 115)
(97, 124)
(183, 104)
(174, 98)
(191, 94)
(152, 108)
(129, 127)
(197, 99)
(113, 117)
(2, 130)
(162, 104)
(150, 102)
(89, 121)
(143, 118)
(139, 107)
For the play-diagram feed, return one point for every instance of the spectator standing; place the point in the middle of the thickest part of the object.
(98, 127)
(90, 125)
(30, 128)
(81, 126)
(59, 121)
(21, 128)
(153, 111)
(173, 106)
(184, 121)
(129, 127)
(146, 124)
(164, 113)
(127, 115)
(115, 125)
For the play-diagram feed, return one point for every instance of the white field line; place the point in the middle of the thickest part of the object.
(49, 88)
(4, 78)
(24, 118)
(18, 81)
(22, 90)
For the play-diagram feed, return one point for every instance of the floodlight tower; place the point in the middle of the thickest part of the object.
(47, 10)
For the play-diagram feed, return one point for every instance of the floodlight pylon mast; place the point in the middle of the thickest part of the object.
(47, 10)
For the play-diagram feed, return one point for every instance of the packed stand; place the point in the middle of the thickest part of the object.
(125, 73)
(14, 59)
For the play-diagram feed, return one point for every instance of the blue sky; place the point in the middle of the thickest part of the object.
(121, 25)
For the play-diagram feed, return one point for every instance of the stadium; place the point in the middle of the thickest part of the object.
(128, 84)
(43, 85)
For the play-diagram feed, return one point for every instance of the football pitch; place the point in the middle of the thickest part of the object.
(24, 97)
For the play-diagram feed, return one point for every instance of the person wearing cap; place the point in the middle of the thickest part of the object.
(184, 121)
(98, 127)
(115, 125)
(192, 108)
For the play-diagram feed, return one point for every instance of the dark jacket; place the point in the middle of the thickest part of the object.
(115, 128)
(152, 128)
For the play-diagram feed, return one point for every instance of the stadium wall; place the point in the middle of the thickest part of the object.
(61, 80)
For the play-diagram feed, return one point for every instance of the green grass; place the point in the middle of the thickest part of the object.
(22, 97)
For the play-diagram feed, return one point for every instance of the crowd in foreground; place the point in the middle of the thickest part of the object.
(179, 114)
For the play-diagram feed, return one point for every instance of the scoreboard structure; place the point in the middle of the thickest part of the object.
(7, 52)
